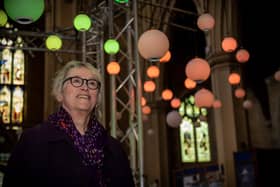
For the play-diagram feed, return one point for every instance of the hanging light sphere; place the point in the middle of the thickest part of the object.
(113, 68)
(197, 70)
(153, 71)
(277, 75)
(239, 93)
(242, 55)
(189, 84)
(229, 44)
(205, 22)
(173, 119)
(153, 44)
(150, 131)
(167, 94)
(203, 98)
(82, 22)
(146, 110)
(217, 104)
(53, 42)
(3, 18)
(175, 103)
(121, 1)
(143, 101)
(247, 104)
(149, 86)
(166, 57)
(24, 11)
(234, 78)
(111, 46)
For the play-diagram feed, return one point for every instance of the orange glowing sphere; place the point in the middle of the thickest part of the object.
(167, 94)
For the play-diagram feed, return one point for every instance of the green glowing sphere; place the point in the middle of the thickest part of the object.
(53, 42)
(121, 1)
(24, 11)
(111, 46)
(82, 22)
(3, 18)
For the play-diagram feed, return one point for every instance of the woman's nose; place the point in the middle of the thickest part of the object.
(84, 85)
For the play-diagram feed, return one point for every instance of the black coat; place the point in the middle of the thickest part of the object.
(46, 157)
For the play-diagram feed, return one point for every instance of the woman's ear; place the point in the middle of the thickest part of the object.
(59, 98)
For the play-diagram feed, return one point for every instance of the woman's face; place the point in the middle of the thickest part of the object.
(79, 99)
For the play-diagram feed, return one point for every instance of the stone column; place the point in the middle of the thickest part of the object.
(224, 120)
(221, 63)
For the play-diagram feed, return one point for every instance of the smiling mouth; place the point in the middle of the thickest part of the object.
(83, 97)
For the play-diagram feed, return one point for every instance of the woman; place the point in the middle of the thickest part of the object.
(71, 148)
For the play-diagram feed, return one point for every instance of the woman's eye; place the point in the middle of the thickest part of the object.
(76, 80)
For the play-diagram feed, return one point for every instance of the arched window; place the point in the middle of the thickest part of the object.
(11, 83)
(194, 133)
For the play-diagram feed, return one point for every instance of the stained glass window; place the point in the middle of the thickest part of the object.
(194, 133)
(11, 82)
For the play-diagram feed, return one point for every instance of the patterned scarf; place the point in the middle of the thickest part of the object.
(90, 145)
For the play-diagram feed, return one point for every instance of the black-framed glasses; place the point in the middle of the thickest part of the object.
(78, 82)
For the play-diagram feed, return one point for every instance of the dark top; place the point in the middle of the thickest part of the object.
(46, 157)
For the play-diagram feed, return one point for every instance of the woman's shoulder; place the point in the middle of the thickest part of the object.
(114, 146)
(111, 141)
(41, 131)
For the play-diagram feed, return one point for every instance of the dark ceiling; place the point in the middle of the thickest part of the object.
(260, 36)
(185, 44)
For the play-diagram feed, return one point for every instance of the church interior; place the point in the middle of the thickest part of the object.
(195, 100)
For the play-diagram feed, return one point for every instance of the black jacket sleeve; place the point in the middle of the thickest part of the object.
(16, 169)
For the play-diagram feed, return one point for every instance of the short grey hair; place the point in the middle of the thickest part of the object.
(57, 86)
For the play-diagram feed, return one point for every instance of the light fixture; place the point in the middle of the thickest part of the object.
(229, 44)
(173, 119)
(153, 71)
(153, 44)
(143, 101)
(167, 94)
(239, 93)
(247, 104)
(166, 57)
(111, 46)
(146, 110)
(205, 22)
(217, 104)
(113, 68)
(150, 131)
(197, 69)
(121, 1)
(277, 75)
(3, 18)
(53, 42)
(24, 11)
(149, 86)
(203, 98)
(175, 103)
(82, 22)
(234, 78)
(242, 55)
(189, 84)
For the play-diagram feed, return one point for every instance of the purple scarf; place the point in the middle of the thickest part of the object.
(90, 145)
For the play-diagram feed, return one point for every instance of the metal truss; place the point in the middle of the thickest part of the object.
(125, 88)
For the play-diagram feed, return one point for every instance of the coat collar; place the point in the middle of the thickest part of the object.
(52, 134)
